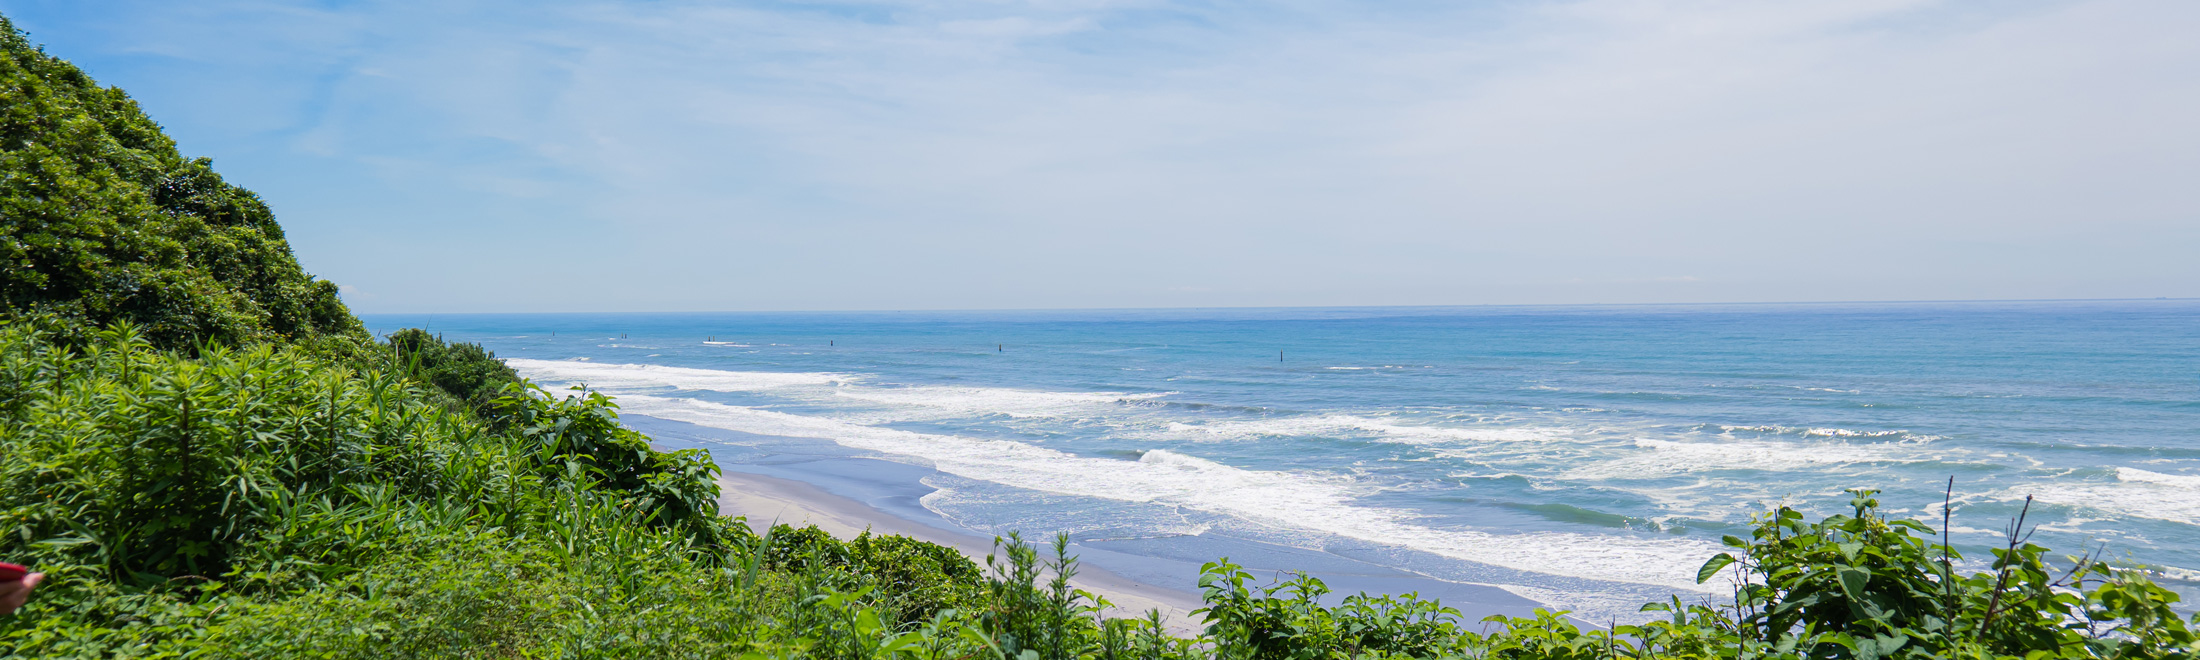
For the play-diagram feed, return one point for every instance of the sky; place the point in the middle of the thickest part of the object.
(551, 155)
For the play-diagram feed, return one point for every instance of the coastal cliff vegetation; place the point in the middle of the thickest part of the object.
(210, 457)
(106, 222)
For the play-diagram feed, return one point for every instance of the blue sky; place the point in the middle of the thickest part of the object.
(667, 155)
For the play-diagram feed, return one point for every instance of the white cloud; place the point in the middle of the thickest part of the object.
(905, 155)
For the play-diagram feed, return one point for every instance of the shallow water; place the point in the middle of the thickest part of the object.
(1585, 457)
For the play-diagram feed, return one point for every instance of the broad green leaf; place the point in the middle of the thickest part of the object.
(1711, 567)
(1853, 581)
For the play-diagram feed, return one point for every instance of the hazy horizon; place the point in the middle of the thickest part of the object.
(499, 156)
(1709, 303)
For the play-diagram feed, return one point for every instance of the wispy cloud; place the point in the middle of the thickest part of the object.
(912, 154)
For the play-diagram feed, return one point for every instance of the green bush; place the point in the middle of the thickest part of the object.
(495, 595)
(1852, 586)
(143, 480)
(144, 467)
(472, 376)
(102, 221)
(578, 440)
(265, 502)
(1287, 620)
(914, 579)
(1862, 585)
(488, 594)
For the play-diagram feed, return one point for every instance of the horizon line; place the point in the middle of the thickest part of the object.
(1284, 307)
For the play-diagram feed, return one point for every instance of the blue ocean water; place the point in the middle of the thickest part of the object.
(1586, 457)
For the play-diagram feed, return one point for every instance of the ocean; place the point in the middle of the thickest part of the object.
(1585, 457)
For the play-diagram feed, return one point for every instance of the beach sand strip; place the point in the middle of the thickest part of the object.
(764, 500)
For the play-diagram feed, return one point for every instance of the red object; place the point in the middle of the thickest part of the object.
(11, 572)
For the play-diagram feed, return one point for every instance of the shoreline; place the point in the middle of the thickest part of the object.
(844, 491)
(765, 500)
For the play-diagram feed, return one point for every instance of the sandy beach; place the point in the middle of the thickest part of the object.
(766, 500)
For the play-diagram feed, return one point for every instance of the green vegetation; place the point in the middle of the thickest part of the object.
(1850, 586)
(101, 221)
(210, 458)
(472, 377)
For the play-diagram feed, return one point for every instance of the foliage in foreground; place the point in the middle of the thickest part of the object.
(1850, 586)
(265, 502)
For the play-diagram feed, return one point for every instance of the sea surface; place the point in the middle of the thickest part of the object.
(1587, 457)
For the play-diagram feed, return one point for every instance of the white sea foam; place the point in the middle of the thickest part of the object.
(2182, 482)
(645, 376)
(1279, 499)
(1824, 432)
(2135, 492)
(977, 401)
(1356, 426)
(1667, 458)
(2179, 574)
(904, 402)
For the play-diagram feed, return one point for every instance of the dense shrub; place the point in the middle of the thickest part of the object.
(267, 502)
(915, 579)
(496, 595)
(1287, 620)
(101, 220)
(1869, 586)
(471, 375)
(579, 442)
(140, 479)
(144, 467)
(1851, 586)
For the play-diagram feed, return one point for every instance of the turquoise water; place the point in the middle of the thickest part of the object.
(1585, 457)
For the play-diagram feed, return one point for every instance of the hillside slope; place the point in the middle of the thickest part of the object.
(104, 221)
